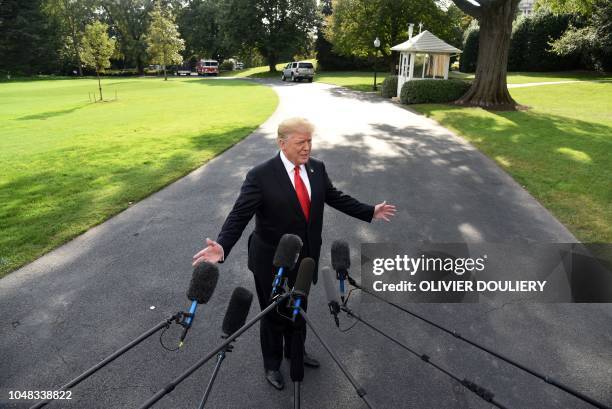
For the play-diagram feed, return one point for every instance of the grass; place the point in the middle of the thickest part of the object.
(355, 80)
(531, 77)
(68, 164)
(560, 150)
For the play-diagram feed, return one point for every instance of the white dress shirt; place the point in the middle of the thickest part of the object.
(289, 166)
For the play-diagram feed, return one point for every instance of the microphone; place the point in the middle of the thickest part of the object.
(341, 261)
(331, 293)
(302, 285)
(285, 257)
(201, 288)
(237, 311)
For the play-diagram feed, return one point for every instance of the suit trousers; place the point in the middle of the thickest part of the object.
(277, 333)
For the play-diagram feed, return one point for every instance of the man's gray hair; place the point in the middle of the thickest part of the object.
(294, 125)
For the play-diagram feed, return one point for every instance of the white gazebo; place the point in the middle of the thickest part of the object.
(424, 51)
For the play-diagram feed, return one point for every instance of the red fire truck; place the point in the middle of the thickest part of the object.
(207, 67)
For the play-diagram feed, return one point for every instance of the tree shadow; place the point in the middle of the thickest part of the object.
(52, 114)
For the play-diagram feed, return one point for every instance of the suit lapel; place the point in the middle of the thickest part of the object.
(285, 185)
(315, 188)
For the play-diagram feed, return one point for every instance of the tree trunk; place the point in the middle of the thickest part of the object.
(165, 75)
(99, 84)
(489, 89)
(272, 61)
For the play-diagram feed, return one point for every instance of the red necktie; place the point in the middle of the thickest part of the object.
(302, 193)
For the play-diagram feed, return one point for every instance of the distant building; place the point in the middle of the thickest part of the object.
(526, 7)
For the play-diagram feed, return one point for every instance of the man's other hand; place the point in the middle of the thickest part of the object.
(212, 253)
(383, 211)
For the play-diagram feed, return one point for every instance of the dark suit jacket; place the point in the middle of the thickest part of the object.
(268, 194)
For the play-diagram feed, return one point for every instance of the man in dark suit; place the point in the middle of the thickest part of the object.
(286, 194)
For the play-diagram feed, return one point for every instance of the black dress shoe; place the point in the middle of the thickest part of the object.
(275, 378)
(310, 361)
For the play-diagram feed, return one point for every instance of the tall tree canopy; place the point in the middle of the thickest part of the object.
(276, 28)
(129, 20)
(354, 24)
(489, 89)
(201, 25)
(71, 16)
(164, 41)
(29, 40)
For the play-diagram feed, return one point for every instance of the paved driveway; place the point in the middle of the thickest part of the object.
(72, 307)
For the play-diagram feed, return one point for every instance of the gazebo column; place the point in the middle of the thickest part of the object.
(411, 73)
(446, 64)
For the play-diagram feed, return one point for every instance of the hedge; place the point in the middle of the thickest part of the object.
(431, 90)
(389, 87)
(529, 44)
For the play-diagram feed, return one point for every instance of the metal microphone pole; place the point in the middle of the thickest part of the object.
(170, 387)
(163, 324)
(472, 386)
(220, 358)
(360, 391)
(548, 379)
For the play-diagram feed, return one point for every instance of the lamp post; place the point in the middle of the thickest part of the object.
(376, 45)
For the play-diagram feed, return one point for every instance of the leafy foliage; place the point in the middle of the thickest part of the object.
(29, 41)
(164, 41)
(389, 87)
(355, 24)
(98, 47)
(430, 90)
(467, 61)
(277, 29)
(593, 43)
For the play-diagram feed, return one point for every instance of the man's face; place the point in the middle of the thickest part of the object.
(297, 147)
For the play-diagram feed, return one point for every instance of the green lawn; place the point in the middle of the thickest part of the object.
(560, 150)
(531, 77)
(68, 164)
(356, 80)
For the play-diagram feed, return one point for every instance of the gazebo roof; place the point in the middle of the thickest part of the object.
(426, 43)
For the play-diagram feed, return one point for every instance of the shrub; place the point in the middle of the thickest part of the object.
(389, 87)
(469, 57)
(430, 90)
(226, 65)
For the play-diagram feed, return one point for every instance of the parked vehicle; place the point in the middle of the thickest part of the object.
(208, 67)
(298, 71)
(183, 69)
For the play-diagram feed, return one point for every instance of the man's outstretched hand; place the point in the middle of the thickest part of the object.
(213, 253)
(383, 211)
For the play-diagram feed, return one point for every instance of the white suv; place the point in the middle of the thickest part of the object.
(297, 71)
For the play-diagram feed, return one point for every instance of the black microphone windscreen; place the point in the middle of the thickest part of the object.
(340, 255)
(237, 310)
(304, 276)
(330, 284)
(288, 251)
(203, 282)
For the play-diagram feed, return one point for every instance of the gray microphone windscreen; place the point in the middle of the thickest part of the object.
(340, 255)
(330, 284)
(203, 282)
(237, 310)
(287, 252)
(304, 276)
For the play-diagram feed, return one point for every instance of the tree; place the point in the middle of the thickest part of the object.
(593, 43)
(584, 7)
(276, 28)
(72, 15)
(200, 24)
(164, 41)
(489, 89)
(98, 48)
(29, 42)
(129, 20)
(355, 24)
